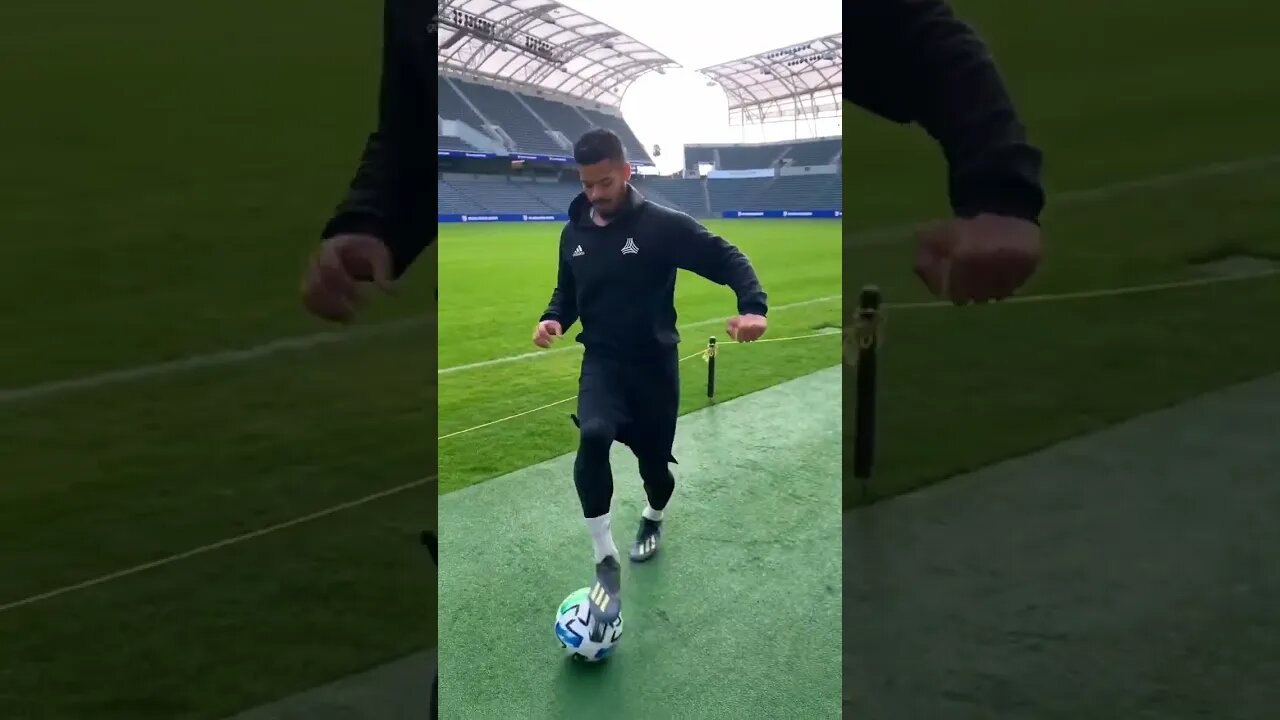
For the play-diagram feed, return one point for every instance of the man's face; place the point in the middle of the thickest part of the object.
(605, 184)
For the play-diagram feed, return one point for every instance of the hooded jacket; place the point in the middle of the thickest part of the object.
(619, 280)
(914, 61)
(388, 196)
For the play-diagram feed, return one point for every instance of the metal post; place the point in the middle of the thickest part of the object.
(711, 367)
(867, 332)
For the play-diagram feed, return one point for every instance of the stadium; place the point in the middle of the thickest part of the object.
(504, 143)
(519, 82)
(210, 502)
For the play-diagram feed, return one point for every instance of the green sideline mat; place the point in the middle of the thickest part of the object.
(738, 616)
(1128, 574)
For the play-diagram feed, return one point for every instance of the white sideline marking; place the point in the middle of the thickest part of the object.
(194, 362)
(1052, 297)
(888, 234)
(213, 546)
(1049, 297)
(1100, 293)
(491, 423)
(863, 238)
(570, 346)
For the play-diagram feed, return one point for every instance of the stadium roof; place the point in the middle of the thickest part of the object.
(764, 81)
(544, 44)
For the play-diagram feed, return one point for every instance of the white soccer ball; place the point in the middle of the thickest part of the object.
(573, 628)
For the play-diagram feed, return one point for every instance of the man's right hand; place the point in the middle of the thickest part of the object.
(546, 332)
(978, 259)
(329, 289)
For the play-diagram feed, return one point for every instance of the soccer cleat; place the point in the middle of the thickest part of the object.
(604, 601)
(647, 540)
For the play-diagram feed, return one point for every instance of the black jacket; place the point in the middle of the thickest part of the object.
(620, 279)
(913, 61)
(388, 196)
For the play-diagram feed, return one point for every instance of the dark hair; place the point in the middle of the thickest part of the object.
(598, 145)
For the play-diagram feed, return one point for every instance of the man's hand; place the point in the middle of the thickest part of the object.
(546, 331)
(745, 328)
(978, 259)
(330, 289)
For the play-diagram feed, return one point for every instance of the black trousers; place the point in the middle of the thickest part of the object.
(634, 401)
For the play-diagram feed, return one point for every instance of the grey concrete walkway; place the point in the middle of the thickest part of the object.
(1131, 574)
(398, 691)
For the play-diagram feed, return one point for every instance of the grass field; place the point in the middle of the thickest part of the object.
(165, 178)
(167, 174)
(797, 261)
(1113, 95)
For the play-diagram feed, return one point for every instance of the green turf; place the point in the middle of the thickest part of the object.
(1112, 94)
(796, 261)
(741, 601)
(167, 176)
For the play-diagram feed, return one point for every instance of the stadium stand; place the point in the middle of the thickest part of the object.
(700, 198)
(823, 151)
(519, 86)
(524, 122)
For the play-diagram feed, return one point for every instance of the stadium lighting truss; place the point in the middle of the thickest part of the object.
(542, 44)
(800, 80)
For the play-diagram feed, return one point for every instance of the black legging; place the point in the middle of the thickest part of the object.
(593, 475)
(633, 401)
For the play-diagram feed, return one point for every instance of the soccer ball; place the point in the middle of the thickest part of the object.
(573, 629)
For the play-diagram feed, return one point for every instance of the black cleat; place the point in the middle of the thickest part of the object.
(605, 601)
(647, 540)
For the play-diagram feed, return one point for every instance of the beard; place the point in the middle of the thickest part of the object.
(606, 212)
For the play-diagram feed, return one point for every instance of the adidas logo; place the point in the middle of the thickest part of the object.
(630, 248)
(578, 252)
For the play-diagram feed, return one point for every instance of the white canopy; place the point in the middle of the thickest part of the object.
(543, 44)
(804, 78)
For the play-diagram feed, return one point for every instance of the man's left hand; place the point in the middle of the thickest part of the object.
(746, 328)
(977, 259)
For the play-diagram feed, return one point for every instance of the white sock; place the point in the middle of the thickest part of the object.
(602, 536)
(654, 515)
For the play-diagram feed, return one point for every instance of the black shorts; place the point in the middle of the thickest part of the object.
(638, 397)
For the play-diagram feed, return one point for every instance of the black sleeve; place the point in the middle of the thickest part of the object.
(913, 61)
(563, 307)
(699, 250)
(388, 196)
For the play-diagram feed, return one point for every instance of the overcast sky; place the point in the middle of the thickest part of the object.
(678, 107)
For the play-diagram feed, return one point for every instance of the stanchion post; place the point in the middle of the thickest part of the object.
(711, 367)
(867, 333)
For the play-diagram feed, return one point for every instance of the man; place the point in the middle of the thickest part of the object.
(912, 61)
(618, 256)
(381, 226)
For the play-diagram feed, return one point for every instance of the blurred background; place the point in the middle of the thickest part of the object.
(208, 499)
(1071, 513)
